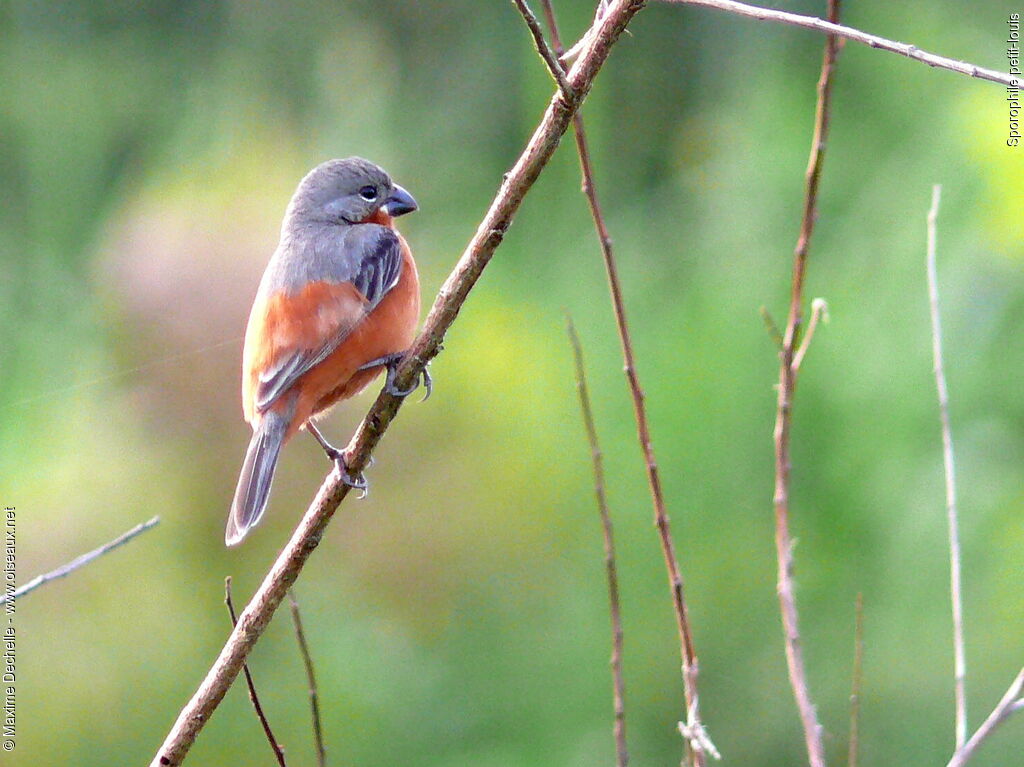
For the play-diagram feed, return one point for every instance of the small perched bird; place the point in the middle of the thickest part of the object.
(338, 304)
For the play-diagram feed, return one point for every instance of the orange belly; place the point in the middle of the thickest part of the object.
(388, 329)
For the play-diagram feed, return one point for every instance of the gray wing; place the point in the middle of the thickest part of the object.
(380, 265)
(369, 257)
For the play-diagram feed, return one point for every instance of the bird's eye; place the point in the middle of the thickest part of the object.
(368, 193)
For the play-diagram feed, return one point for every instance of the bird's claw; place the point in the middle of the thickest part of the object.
(422, 377)
(392, 362)
(428, 383)
(357, 482)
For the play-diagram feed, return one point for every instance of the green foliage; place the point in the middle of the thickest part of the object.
(458, 615)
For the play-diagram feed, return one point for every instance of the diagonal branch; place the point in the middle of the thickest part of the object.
(697, 741)
(873, 41)
(516, 184)
(788, 371)
(314, 696)
(567, 57)
(274, 745)
(77, 562)
(554, 67)
(1011, 702)
(619, 696)
(955, 592)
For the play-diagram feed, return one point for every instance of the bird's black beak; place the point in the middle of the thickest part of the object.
(399, 203)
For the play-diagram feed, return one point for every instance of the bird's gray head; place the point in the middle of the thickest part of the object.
(350, 191)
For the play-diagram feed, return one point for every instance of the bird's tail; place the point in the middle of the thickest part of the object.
(253, 489)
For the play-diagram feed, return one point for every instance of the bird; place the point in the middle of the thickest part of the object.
(338, 304)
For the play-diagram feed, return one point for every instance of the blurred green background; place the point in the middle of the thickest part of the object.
(458, 615)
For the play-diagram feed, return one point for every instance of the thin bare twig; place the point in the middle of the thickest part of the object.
(514, 187)
(314, 697)
(274, 745)
(858, 675)
(783, 415)
(549, 57)
(819, 313)
(1010, 703)
(697, 741)
(74, 564)
(618, 685)
(567, 57)
(956, 595)
(873, 41)
(1011, 700)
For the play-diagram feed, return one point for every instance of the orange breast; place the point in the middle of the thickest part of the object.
(319, 312)
(388, 329)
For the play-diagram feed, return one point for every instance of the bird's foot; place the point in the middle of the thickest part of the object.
(391, 362)
(358, 482)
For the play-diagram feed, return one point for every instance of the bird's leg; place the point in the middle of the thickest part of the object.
(338, 456)
(391, 362)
